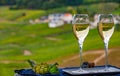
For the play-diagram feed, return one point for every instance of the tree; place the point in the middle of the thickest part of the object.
(7, 2)
(50, 4)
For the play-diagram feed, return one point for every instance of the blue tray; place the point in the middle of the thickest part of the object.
(67, 72)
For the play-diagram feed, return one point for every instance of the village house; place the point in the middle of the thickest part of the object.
(56, 20)
(59, 19)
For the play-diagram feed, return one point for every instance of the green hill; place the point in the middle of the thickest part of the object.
(42, 42)
(19, 15)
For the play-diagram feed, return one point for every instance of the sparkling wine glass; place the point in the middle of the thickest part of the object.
(106, 29)
(80, 29)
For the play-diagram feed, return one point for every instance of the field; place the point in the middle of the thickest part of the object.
(42, 42)
(19, 15)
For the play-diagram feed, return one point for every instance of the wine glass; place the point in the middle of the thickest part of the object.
(106, 29)
(80, 29)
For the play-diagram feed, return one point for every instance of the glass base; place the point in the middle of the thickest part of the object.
(95, 70)
(80, 71)
(106, 69)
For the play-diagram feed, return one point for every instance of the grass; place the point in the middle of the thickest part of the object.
(8, 69)
(13, 45)
(15, 38)
(20, 15)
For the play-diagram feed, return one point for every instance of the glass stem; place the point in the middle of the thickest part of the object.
(80, 46)
(106, 55)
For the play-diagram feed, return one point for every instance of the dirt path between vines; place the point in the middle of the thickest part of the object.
(91, 56)
(73, 60)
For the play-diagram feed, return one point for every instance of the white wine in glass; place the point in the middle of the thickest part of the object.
(80, 29)
(106, 29)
